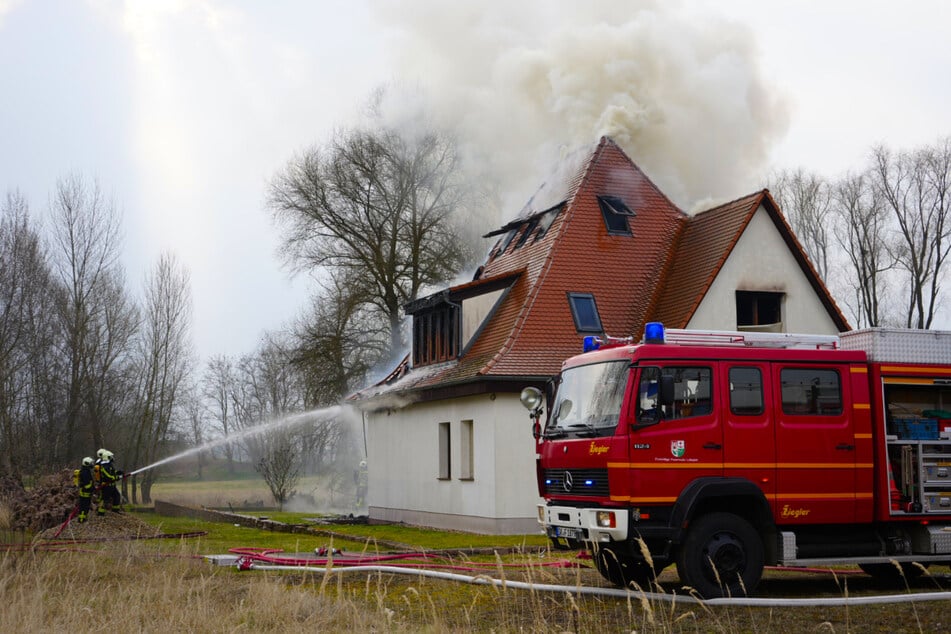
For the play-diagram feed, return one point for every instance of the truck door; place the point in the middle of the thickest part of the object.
(673, 444)
(749, 447)
(815, 444)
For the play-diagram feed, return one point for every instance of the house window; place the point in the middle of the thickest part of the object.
(528, 231)
(616, 214)
(585, 312)
(436, 334)
(759, 311)
(545, 222)
(811, 391)
(466, 462)
(445, 446)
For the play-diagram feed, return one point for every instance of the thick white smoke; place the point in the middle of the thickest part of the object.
(523, 81)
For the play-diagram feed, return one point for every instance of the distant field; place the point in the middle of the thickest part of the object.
(314, 494)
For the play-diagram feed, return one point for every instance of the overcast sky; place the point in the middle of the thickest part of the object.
(184, 111)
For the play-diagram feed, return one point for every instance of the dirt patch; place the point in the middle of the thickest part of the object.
(112, 525)
(44, 509)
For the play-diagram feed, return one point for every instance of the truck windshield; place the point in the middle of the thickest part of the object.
(588, 402)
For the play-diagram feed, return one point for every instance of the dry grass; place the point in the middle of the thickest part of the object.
(149, 586)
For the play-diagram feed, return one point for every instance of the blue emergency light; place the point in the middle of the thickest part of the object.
(591, 342)
(654, 332)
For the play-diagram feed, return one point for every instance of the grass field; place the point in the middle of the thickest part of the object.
(166, 585)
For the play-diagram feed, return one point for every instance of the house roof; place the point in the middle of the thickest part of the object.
(559, 244)
(707, 240)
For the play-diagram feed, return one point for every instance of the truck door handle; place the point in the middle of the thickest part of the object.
(712, 445)
(845, 447)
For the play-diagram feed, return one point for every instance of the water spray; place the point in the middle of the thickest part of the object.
(293, 420)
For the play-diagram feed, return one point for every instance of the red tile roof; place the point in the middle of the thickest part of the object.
(532, 330)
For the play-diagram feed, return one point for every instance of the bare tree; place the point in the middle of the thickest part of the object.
(218, 391)
(86, 237)
(279, 465)
(163, 362)
(861, 231)
(806, 199)
(915, 186)
(26, 296)
(337, 342)
(380, 206)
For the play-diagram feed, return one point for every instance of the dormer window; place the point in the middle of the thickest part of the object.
(436, 334)
(616, 213)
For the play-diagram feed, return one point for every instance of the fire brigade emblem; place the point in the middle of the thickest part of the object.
(678, 448)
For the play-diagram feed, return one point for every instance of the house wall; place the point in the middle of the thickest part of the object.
(761, 261)
(403, 459)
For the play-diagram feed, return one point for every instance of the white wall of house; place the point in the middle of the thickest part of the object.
(761, 261)
(403, 454)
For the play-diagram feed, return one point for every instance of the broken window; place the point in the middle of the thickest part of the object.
(759, 311)
(436, 334)
(616, 214)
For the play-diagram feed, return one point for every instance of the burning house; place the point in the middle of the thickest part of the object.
(600, 250)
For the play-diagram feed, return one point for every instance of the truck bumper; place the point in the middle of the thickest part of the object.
(584, 524)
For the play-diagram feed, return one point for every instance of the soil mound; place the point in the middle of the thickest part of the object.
(112, 525)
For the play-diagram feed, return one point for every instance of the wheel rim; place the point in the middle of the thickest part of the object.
(726, 554)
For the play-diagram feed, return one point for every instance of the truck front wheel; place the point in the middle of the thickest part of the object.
(623, 570)
(721, 556)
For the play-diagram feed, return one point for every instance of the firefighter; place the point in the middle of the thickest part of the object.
(86, 485)
(361, 478)
(108, 476)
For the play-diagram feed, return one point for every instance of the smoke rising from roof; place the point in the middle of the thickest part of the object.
(523, 81)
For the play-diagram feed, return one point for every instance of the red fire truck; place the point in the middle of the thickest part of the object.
(723, 452)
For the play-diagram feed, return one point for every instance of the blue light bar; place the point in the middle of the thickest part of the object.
(590, 343)
(654, 332)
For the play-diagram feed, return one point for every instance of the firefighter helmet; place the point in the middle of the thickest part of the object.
(87, 461)
(107, 455)
(101, 453)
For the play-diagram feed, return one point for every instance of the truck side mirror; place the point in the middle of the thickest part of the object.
(666, 390)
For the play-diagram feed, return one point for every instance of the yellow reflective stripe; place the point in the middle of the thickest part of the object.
(915, 369)
(863, 436)
(861, 406)
(858, 369)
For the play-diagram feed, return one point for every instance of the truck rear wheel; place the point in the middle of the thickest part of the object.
(721, 556)
(623, 570)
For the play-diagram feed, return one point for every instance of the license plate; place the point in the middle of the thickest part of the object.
(568, 532)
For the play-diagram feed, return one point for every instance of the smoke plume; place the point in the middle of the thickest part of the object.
(524, 82)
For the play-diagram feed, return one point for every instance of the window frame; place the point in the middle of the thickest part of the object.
(616, 213)
(572, 298)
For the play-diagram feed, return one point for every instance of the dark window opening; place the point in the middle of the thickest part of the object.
(545, 222)
(757, 308)
(615, 213)
(585, 312)
(436, 335)
(528, 231)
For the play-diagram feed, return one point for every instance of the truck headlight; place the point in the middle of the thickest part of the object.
(605, 519)
(541, 514)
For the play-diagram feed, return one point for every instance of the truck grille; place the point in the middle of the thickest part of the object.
(593, 482)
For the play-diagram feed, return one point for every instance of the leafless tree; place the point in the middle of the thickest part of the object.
(382, 207)
(279, 465)
(218, 390)
(86, 238)
(806, 199)
(915, 186)
(163, 362)
(862, 230)
(26, 295)
(336, 343)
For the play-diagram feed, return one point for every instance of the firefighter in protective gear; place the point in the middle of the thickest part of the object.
(86, 486)
(361, 479)
(108, 475)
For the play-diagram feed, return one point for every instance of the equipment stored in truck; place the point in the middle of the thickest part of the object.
(723, 452)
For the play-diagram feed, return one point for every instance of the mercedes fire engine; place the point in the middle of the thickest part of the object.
(723, 452)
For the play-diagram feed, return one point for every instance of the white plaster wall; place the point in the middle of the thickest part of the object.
(403, 458)
(761, 261)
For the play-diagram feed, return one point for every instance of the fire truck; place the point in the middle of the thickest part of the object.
(724, 452)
